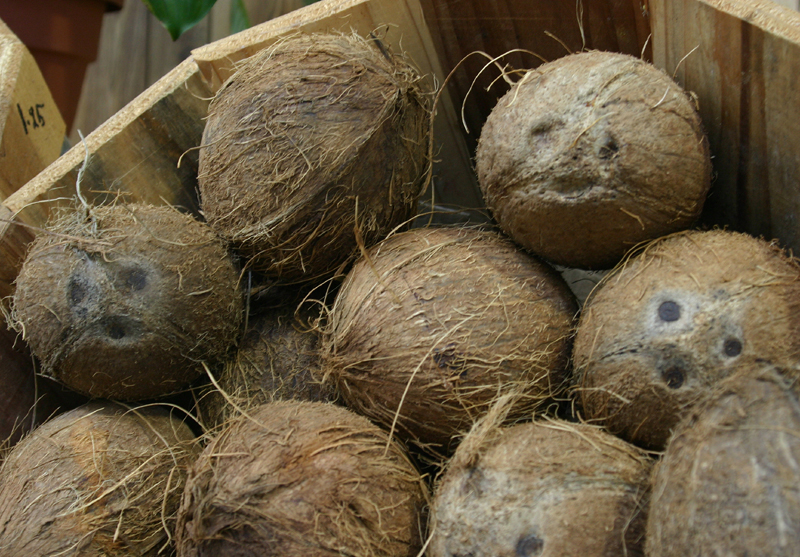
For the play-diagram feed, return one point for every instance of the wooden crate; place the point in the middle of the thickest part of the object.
(741, 58)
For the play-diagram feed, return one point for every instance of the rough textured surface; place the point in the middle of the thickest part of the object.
(123, 303)
(316, 143)
(729, 481)
(101, 480)
(433, 324)
(591, 154)
(676, 318)
(541, 489)
(278, 358)
(304, 479)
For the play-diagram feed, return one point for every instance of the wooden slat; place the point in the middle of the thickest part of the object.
(134, 154)
(742, 60)
(31, 127)
(402, 25)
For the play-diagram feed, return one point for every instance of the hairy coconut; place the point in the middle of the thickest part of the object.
(673, 320)
(101, 480)
(124, 302)
(278, 358)
(314, 144)
(590, 154)
(433, 324)
(541, 489)
(729, 481)
(305, 479)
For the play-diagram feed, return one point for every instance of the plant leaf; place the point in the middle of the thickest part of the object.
(239, 18)
(179, 16)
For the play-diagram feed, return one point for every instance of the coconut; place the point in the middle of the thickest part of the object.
(315, 144)
(305, 479)
(542, 488)
(433, 324)
(124, 302)
(673, 320)
(278, 358)
(590, 154)
(729, 481)
(101, 480)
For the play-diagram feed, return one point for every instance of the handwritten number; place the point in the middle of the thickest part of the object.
(22, 115)
(36, 117)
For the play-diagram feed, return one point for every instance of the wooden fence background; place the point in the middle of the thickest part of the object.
(135, 51)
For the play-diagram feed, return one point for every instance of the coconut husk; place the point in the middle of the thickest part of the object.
(433, 324)
(665, 327)
(278, 358)
(305, 479)
(729, 481)
(542, 488)
(591, 154)
(315, 144)
(101, 480)
(123, 301)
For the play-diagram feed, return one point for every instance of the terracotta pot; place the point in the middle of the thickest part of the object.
(63, 36)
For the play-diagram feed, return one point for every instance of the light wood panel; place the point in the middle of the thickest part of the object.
(742, 60)
(31, 127)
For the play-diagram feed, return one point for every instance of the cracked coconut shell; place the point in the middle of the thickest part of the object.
(125, 302)
(666, 326)
(102, 480)
(302, 479)
(314, 144)
(591, 154)
(433, 324)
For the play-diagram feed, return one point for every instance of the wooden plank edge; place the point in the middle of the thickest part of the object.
(74, 158)
(31, 127)
(767, 15)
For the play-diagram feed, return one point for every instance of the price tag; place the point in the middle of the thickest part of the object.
(32, 119)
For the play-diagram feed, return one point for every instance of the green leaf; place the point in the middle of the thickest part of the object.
(239, 18)
(179, 16)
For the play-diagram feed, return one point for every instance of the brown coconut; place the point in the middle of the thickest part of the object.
(433, 324)
(123, 303)
(304, 479)
(541, 489)
(672, 321)
(278, 358)
(314, 144)
(729, 481)
(101, 480)
(590, 154)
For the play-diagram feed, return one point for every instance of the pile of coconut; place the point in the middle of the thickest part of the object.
(305, 368)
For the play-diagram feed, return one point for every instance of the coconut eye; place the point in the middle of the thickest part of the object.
(608, 147)
(732, 347)
(673, 376)
(133, 278)
(76, 291)
(529, 546)
(669, 311)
